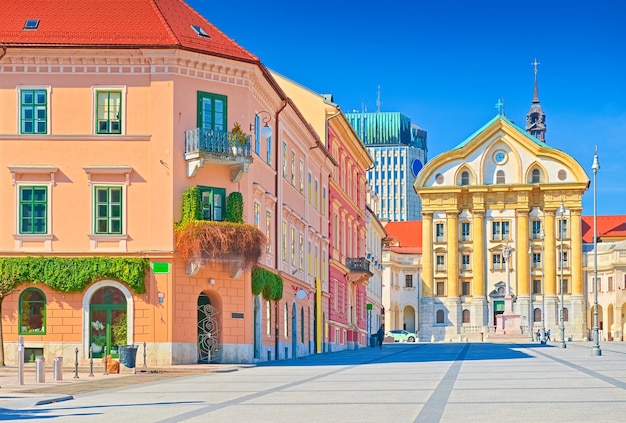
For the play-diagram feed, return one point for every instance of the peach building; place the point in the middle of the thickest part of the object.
(102, 134)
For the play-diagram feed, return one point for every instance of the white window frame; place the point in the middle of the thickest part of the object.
(48, 90)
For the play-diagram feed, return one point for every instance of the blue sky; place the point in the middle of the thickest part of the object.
(446, 63)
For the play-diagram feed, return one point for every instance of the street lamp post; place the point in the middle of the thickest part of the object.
(561, 212)
(595, 350)
(530, 297)
(543, 292)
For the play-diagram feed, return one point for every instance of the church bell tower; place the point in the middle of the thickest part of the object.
(536, 118)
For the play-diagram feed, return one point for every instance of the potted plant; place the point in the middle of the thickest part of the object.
(237, 138)
(98, 339)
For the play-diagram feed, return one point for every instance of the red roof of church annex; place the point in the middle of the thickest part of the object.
(404, 237)
(610, 228)
(118, 23)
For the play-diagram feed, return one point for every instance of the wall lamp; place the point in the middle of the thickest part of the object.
(266, 131)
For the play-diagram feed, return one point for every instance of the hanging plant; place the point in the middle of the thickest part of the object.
(220, 240)
(234, 208)
(273, 290)
(192, 205)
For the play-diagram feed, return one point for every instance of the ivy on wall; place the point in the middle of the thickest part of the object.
(72, 274)
(234, 208)
(270, 284)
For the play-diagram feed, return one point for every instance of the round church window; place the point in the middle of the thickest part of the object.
(562, 175)
(439, 178)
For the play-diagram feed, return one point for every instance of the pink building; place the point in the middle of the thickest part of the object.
(110, 138)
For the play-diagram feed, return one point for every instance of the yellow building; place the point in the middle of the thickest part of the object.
(495, 195)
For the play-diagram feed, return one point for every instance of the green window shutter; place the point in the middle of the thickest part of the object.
(108, 210)
(212, 111)
(33, 111)
(213, 203)
(33, 213)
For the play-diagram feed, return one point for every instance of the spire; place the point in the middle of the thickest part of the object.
(536, 118)
(536, 93)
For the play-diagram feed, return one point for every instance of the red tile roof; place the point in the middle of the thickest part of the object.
(119, 23)
(408, 236)
(610, 228)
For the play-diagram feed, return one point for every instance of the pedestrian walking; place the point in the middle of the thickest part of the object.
(538, 335)
(548, 335)
(380, 336)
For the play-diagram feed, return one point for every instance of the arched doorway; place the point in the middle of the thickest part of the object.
(408, 317)
(209, 350)
(108, 321)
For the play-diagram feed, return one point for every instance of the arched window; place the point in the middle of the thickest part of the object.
(286, 321)
(439, 316)
(500, 177)
(535, 177)
(465, 178)
(466, 316)
(537, 315)
(32, 312)
(302, 324)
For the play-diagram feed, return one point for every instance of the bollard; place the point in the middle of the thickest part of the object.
(144, 356)
(90, 362)
(106, 371)
(40, 370)
(76, 365)
(58, 368)
(20, 360)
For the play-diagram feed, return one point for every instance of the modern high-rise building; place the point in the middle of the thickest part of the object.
(399, 149)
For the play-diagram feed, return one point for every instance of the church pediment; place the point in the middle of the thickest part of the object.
(500, 153)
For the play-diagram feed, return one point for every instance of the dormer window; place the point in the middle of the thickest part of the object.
(200, 31)
(31, 24)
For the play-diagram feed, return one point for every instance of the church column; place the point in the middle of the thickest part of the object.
(453, 254)
(427, 254)
(480, 308)
(576, 253)
(551, 299)
(550, 254)
(478, 256)
(521, 245)
(578, 305)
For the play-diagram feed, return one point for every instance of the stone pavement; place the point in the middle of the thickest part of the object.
(33, 392)
(400, 383)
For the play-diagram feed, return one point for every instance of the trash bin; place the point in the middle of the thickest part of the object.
(128, 355)
(58, 368)
(40, 370)
(373, 341)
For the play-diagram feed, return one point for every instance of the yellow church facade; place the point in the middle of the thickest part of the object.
(501, 193)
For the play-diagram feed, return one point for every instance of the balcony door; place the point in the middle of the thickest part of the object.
(212, 112)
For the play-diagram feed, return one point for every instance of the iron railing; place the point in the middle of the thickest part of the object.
(217, 142)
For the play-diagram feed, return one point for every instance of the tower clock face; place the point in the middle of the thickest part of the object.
(499, 157)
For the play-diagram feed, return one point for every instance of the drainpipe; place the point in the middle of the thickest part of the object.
(278, 222)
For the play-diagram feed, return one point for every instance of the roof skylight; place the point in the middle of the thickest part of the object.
(31, 24)
(201, 32)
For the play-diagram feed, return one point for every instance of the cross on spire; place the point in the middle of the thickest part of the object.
(535, 63)
(500, 106)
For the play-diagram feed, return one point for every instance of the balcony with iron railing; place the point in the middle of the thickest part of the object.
(359, 269)
(217, 147)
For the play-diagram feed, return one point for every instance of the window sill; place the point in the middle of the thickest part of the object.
(33, 242)
(104, 242)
